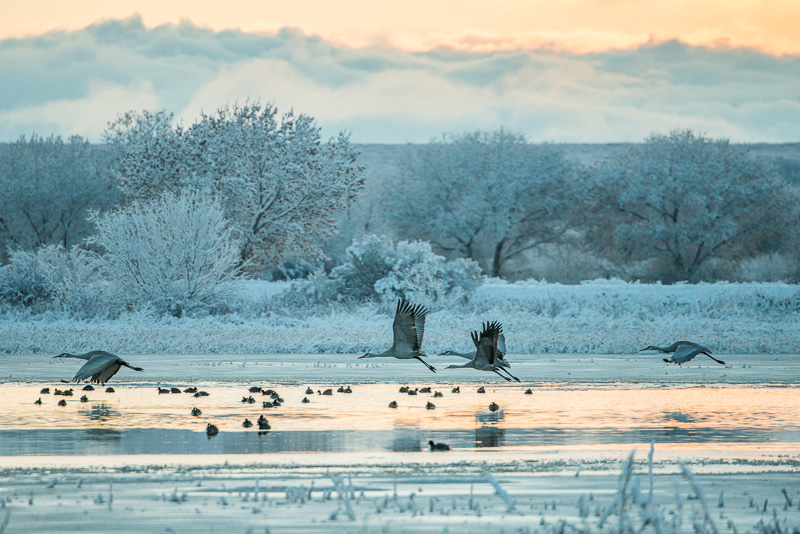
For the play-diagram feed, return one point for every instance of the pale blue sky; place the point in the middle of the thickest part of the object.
(76, 81)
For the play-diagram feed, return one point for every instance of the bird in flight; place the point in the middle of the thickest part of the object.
(490, 346)
(100, 365)
(408, 329)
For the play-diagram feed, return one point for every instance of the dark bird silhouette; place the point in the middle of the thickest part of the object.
(45, 391)
(493, 407)
(438, 446)
(247, 423)
(430, 406)
(100, 366)
(62, 402)
(196, 412)
(211, 431)
(685, 353)
(408, 330)
(674, 347)
(393, 404)
(490, 347)
(39, 401)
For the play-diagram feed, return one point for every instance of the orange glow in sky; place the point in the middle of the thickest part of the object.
(475, 25)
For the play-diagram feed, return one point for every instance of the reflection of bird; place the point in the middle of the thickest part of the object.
(439, 446)
(99, 367)
(674, 347)
(489, 349)
(408, 330)
(684, 353)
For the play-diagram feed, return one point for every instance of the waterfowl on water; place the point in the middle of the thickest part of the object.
(438, 446)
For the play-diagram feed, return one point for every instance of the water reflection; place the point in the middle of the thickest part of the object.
(139, 421)
(488, 433)
(100, 412)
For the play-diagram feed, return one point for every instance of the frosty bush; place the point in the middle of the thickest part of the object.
(175, 253)
(53, 278)
(74, 280)
(23, 281)
(377, 268)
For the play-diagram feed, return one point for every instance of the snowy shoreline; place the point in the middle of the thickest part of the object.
(599, 317)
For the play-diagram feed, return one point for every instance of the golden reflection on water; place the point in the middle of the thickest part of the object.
(616, 408)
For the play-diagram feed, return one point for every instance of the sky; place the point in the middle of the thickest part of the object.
(394, 72)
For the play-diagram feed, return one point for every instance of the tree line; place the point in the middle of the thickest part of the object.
(677, 206)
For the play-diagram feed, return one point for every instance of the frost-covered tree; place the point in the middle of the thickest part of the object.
(491, 197)
(377, 268)
(681, 201)
(47, 187)
(175, 253)
(277, 181)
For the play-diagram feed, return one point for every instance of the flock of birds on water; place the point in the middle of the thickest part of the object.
(408, 330)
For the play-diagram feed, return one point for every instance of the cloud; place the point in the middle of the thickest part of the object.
(75, 82)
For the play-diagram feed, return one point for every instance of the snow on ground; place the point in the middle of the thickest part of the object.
(600, 317)
(410, 498)
(336, 369)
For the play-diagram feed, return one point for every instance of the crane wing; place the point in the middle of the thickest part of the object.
(685, 353)
(107, 372)
(95, 365)
(487, 343)
(408, 327)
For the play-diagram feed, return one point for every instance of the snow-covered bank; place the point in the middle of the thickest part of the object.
(600, 317)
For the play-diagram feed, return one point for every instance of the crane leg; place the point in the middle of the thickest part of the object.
(713, 358)
(429, 366)
(509, 373)
(504, 377)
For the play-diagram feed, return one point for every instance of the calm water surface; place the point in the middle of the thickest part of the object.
(138, 420)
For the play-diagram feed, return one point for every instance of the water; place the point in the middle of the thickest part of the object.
(138, 420)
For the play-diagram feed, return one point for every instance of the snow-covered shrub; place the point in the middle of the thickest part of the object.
(367, 260)
(176, 253)
(23, 281)
(74, 280)
(52, 278)
(420, 275)
(376, 268)
(767, 268)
